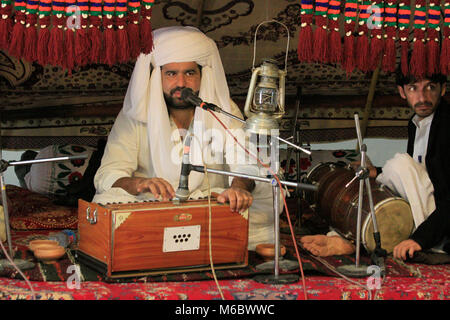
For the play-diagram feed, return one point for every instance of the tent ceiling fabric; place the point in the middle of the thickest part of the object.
(91, 95)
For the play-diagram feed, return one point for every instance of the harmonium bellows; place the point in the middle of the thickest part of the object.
(151, 238)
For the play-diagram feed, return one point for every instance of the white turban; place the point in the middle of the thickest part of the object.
(144, 100)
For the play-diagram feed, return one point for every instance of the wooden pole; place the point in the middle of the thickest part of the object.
(369, 102)
(201, 5)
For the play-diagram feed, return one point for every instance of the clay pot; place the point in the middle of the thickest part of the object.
(33, 245)
(48, 253)
(267, 251)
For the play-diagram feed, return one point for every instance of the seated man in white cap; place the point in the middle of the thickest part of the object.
(421, 176)
(143, 154)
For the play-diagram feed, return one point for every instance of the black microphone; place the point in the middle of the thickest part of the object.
(187, 94)
(182, 192)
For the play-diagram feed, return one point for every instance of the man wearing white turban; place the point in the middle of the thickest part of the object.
(142, 158)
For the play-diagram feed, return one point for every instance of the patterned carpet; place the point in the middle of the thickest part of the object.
(58, 282)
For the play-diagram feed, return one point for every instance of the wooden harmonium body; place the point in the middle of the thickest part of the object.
(150, 238)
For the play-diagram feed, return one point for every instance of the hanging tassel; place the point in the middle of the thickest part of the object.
(123, 49)
(6, 24)
(376, 33)
(82, 41)
(305, 39)
(16, 45)
(69, 45)
(94, 32)
(362, 41)
(109, 35)
(432, 52)
(418, 63)
(390, 53)
(30, 49)
(133, 28)
(445, 50)
(42, 52)
(349, 40)
(432, 48)
(145, 29)
(404, 13)
(29, 52)
(82, 46)
(133, 38)
(55, 42)
(320, 37)
(334, 41)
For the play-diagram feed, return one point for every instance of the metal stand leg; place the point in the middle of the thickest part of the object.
(278, 262)
(5, 263)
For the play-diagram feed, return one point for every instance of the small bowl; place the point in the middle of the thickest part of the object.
(49, 254)
(33, 245)
(267, 251)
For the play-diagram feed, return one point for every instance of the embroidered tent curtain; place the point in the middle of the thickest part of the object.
(74, 33)
(373, 32)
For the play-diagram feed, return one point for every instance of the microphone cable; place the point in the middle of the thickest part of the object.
(282, 194)
(33, 293)
(210, 226)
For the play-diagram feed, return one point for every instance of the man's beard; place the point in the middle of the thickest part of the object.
(175, 103)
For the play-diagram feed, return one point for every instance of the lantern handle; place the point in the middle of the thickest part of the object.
(287, 45)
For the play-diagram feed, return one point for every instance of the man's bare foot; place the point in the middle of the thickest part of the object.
(324, 246)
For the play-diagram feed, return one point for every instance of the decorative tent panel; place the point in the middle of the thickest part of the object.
(82, 104)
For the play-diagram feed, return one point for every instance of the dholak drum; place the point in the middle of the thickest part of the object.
(338, 205)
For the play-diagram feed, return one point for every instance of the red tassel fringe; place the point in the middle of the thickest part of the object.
(42, 46)
(390, 54)
(82, 45)
(6, 27)
(445, 56)
(16, 45)
(320, 50)
(133, 39)
(55, 45)
(96, 44)
(335, 48)
(123, 52)
(404, 57)
(376, 50)
(110, 46)
(362, 43)
(29, 52)
(69, 41)
(304, 48)
(146, 36)
(418, 63)
(432, 49)
(349, 54)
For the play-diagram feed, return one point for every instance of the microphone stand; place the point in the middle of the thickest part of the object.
(20, 263)
(362, 173)
(287, 265)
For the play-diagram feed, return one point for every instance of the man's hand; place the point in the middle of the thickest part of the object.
(157, 186)
(239, 199)
(372, 170)
(407, 246)
(239, 195)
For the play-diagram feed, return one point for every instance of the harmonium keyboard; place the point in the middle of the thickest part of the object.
(153, 238)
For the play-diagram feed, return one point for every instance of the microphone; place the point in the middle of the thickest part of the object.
(187, 94)
(182, 192)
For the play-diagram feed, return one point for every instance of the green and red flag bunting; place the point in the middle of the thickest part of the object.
(361, 34)
(73, 33)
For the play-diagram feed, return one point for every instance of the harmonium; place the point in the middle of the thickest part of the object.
(153, 238)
